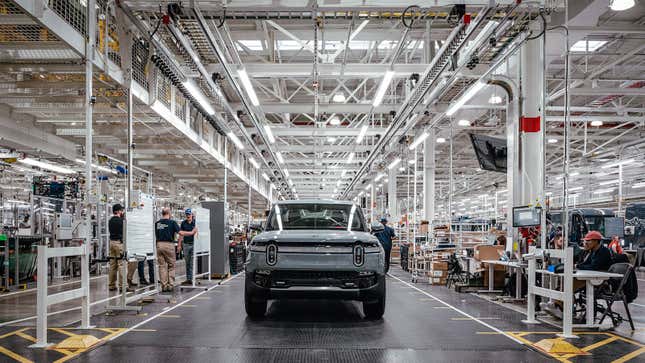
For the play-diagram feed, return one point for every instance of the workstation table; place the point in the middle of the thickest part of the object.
(509, 264)
(591, 278)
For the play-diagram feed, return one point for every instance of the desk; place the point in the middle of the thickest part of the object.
(511, 264)
(591, 278)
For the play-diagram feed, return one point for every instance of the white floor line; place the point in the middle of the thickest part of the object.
(173, 307)
(460, 311)
(33, 289)
(639, 305)
(92, 303)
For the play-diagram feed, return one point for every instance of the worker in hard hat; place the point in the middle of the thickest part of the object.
(385, 237)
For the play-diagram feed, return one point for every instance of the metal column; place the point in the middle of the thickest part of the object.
(372, 198)
(531, 122)
(391, 195)
(429, 177)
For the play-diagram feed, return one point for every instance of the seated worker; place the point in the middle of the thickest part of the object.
(597, 258)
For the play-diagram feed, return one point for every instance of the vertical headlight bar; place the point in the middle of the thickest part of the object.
(359, 255)
(272, 254)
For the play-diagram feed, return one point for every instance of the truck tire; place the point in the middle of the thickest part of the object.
(255, 308)
(374, 310)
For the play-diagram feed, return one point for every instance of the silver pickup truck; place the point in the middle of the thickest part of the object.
(315, 249)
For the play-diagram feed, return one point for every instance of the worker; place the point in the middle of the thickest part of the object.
(165, 231)
(115, 228)
(187, 232)
(385, 237)
(614, 246)
(598, 257)
(25, 222)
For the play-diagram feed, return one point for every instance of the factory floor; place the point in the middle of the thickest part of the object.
(422, 323)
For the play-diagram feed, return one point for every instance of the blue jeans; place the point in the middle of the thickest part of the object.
(151, 271)
(188, 256)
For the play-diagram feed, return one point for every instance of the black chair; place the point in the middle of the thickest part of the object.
(623, 289)
(456, 273)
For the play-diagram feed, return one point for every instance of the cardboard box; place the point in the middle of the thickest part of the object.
(488, 252)
(436, 265)
(438, 280)
(439, 273)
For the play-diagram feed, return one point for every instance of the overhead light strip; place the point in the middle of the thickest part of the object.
(246, 83)
(385, 83)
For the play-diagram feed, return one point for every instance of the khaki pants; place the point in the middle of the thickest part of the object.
(116, 250)
(166, 260)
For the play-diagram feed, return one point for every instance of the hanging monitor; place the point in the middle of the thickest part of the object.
(490, 151)
(527, 216)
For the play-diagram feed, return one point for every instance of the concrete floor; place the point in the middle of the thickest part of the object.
(422, 323)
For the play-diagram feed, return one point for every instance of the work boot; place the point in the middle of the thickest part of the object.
(143, 283)
(187, 283)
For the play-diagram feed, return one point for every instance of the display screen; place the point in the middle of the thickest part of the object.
(490, 152)
(527, 216)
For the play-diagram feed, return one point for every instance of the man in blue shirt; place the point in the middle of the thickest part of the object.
(165, 231)
(188, 231)
(385, 237)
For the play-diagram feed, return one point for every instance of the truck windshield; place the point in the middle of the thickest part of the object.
(315, 216)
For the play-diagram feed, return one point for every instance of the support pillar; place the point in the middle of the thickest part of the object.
(532, 123)
(429, 177)
(372, 204)
(391, 196)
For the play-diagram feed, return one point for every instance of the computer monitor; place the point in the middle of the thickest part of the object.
(527, 216)
(490, 152)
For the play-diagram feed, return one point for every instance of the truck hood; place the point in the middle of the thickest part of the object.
(314, 236)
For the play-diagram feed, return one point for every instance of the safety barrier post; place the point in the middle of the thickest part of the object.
(43, 300)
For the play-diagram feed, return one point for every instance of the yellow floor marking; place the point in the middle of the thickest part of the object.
(474, 318)
(593, 346)
(26, 336)
(14, 356)
(629, 356)
(12, 333)
(530, 344)
(169, 316)
(59, 330)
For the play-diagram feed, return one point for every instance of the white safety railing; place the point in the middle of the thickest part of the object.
(44, 300)
(552, 292)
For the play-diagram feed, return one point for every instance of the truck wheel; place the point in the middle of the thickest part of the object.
(255, 308)
(374, 310)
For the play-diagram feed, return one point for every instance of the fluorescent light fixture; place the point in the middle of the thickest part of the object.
(269, 133)
(334, 121)
(495, 100)
(368, 186)
(339, 97)
(583, 46)
(361, 134)
(278, 156)
(48, 166)
(548, 194)
(638, 185)
(382, 88)
(338, 183)
(331, 139)
(254, 163)
(620, 5)
(98, 167)
(350, 158)
(235, 140)
(335, 190)
(197, 94)
(290, 182)
(412, 161)
(286, 173)
(575, 173)
(402, 168)
(575, 189)
(617, 163)
(441, 140)
(552, 141)
(246, 82)
(379, 177)
(394, 163)
(419, 140)
(463, 123)
(596, 123)
(463, 99)
(602, 191)
(265, 176)
(272, 186)
(608, 182)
